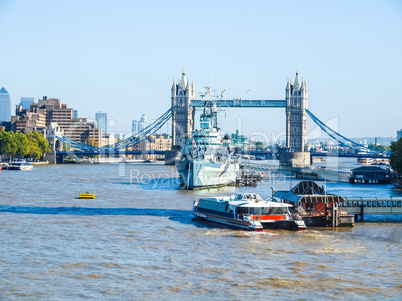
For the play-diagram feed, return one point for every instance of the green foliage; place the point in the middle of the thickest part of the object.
(380, 148)
(396, 155)
(260, 146)
(22, 144)
(66, 147)
(8, 144)
(43, 144)
(92, 142)
(32, 144)
(34, 150)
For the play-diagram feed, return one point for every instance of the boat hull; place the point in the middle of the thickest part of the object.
(229, 222)
(197, 174)
(254, 225)
(20, 167)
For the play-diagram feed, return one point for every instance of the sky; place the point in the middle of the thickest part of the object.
(120, 57)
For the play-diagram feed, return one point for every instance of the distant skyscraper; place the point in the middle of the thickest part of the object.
(399, 134)
(101, 121)
(75, 113)
(5, 105)
(134, 129)
(26, 102)
(141, 123)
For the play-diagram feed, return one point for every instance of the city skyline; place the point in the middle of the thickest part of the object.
(349, 54)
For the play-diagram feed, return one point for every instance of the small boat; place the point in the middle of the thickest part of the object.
(366, 161)
(19, 165)
(249, 212)
(87, 195)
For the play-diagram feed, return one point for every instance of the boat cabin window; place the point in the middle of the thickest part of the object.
(262, 210)
(279, 210)
(242, 210)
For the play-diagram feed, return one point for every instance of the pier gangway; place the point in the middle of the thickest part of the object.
(361, 206)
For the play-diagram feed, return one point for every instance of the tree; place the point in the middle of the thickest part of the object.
(380, 148)
(42, 142)
(22, 144)
(8, 144)
(396, 155)
(260, 146)
(34, 150)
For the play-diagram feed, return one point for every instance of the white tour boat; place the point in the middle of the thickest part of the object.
(249, 212)
(19, 165)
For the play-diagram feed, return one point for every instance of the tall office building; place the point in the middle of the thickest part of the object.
(141, 123)
(26, 102)
(5, 105)
(101, 121)
(399, 134)
(138, 126)
(134, 128)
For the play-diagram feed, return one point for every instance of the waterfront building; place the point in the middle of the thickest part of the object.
(154, 142)
(399, 134)
(26, 102)
(5, 105)
(101, 121)
(369, 175)
(108, 139)
(296, 125)
(41, 114)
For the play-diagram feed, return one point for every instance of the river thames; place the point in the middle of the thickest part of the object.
(138, 241)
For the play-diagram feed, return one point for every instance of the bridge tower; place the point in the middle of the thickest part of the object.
(182, 113)
(296, 116)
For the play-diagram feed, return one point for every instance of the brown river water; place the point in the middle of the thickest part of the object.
(138, 241)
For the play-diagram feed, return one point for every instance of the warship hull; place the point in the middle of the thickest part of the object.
(198, 174)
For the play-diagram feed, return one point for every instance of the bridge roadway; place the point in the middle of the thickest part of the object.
(243, 103)
(270, 155)
(362, 206)
(319, 154)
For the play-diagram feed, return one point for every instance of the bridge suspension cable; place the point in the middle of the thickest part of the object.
(134, 139)
(336, 136)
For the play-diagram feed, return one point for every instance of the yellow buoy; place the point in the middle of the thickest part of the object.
(87, 195)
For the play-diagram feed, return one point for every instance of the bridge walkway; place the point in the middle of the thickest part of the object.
(362, 206)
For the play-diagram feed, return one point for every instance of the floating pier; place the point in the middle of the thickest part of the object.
(316, 206)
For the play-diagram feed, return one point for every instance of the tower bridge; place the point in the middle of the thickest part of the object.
(183, 104)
